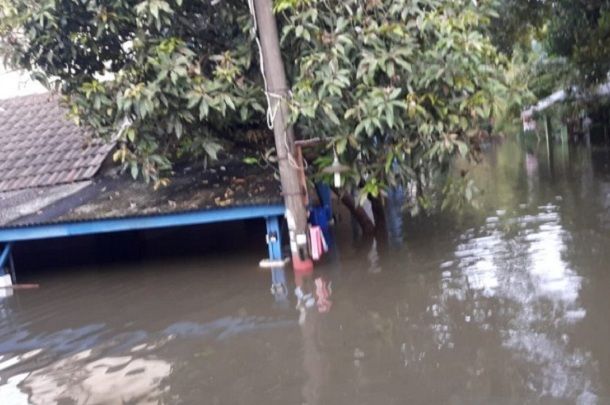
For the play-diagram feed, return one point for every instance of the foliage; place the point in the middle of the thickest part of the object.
(578, 30)
(517, 23)
(549, 75)
(398, 87)
(518, 73)
(535, 75)
(574, 34)
(168, 78)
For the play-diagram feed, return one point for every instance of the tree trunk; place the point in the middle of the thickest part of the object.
(381, 228)
(368, 227)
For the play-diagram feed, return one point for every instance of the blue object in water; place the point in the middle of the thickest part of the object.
(319, 216)
(274, 239)
(4, 257)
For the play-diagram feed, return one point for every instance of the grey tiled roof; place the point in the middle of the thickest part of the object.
(49, 174)
(112, 195)
(32, 201)
(40, 147)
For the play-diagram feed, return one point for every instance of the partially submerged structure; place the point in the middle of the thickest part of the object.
(602, 90)
(541, 108)
(57, 180)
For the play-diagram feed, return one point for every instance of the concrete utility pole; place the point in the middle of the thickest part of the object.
(296, 211)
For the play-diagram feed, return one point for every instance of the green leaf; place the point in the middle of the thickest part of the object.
(388, 162)
(131, 134)
(390, 70)
(340, 146)
(229, 102)
(212, 148)
(204, 109)
(135, 170)
(342, 23)
(193, 101)
(178, 129)
(243, 112)
(389, 116)
(257, 107)
(328, 110)
(154, 9)
(468, 194)
(360, 127)
(463, 148)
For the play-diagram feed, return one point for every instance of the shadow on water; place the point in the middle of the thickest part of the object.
(502, 305)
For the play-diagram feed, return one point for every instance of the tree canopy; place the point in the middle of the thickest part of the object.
(397, 87)
(518, 22)
(169, 78)
(579, 30)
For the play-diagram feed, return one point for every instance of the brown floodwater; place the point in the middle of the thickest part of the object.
(509, 304)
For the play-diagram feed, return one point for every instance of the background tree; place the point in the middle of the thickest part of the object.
(517, 22)
(579, 30)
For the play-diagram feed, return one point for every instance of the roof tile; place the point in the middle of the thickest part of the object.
(39, 146)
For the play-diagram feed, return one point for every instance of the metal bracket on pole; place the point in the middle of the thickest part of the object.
(274, 243)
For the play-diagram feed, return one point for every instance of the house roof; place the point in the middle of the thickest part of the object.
(41, 147)
(50, 175)
(19, 203)
(113, 195)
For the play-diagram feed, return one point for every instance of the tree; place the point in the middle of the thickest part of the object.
(578, 30)
(168, 78)
(517, 23)
(397, 88)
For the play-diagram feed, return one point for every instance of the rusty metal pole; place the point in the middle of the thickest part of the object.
(289, 165)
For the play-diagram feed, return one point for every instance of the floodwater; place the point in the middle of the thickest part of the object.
(506, 305)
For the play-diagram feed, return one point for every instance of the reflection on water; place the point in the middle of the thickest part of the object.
(110, 380)
(505, 305)
(537, 293)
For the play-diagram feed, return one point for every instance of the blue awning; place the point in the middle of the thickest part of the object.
(56, 230)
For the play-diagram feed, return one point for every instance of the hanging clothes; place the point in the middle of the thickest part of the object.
(318, 243)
